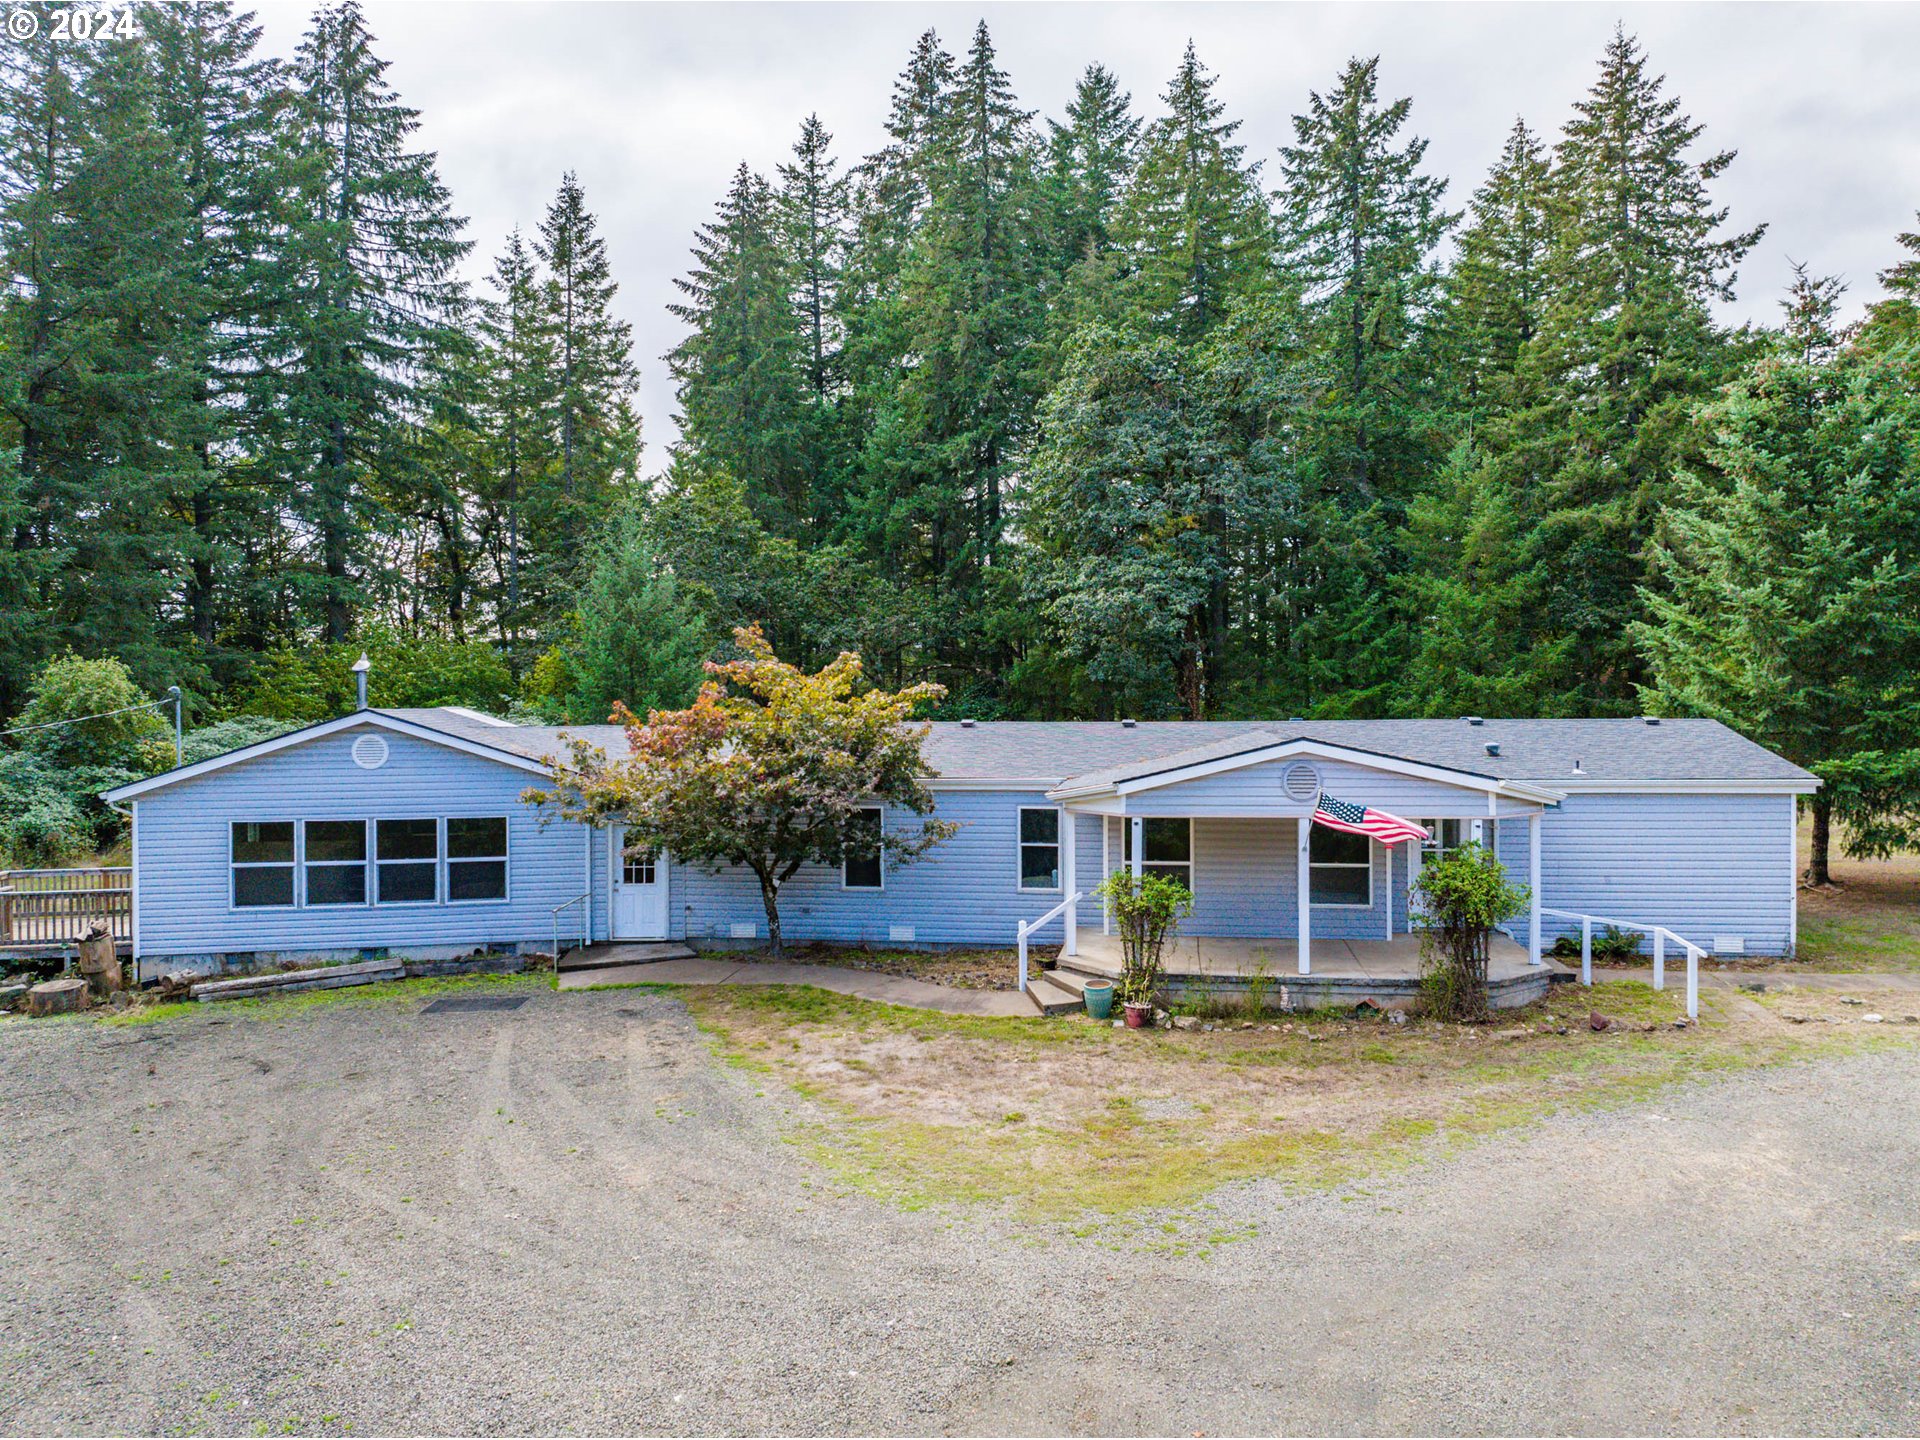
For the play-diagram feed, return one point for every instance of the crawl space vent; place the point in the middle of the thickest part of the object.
(370, 752)
(1301, 782)
(900, 932)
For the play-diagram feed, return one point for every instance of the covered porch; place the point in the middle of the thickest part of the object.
(1277, 956)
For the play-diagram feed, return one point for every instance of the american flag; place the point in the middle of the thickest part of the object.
(1365, 820)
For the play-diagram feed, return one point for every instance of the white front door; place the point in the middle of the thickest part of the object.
(639, 891)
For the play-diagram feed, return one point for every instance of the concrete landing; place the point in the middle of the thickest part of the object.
(610, 953)
(865, 984)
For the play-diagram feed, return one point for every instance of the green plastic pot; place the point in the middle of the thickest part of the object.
(1099, 998)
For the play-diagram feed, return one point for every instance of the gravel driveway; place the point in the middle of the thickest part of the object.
(572, 1218)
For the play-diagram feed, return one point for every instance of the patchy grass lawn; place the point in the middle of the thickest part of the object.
(1869, 920)
(386, 992)
(1072, 1120)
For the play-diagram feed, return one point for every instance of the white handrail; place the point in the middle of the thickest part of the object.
(1027, 927)
(583, 899)
(1661, 934)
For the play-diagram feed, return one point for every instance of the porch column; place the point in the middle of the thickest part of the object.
(1067, 885)
(1533, 880)
(1306, 901)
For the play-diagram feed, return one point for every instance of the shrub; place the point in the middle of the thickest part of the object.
(1466, 893)
(70, 687)
(1146, 913)
(42, 822)
(1611, 943)
(156, 754)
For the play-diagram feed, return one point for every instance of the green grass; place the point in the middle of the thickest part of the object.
(386, 992)
(1113, 1159)
(1853, 945)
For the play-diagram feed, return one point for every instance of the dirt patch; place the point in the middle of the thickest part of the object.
(1072, 1115)
(960, 969)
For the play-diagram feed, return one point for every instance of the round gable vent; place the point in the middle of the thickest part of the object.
(370, 752)
(1301, 782)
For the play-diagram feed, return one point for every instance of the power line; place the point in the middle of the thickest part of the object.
(174, 699)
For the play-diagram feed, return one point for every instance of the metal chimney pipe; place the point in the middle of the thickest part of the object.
(360, 669)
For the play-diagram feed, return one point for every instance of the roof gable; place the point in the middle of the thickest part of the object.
(370, 719)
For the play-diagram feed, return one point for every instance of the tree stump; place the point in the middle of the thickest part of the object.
(100, 962)
(65, 996)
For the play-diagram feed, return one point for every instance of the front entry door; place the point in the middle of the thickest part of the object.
(639, 892)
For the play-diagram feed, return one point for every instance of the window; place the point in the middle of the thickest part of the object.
(637, 867)
(1447, 836)
(1039, 848)
(861, 868)
(477, 859)
(1167, 847)
(336, 862)
(262, 862)
(408, 861)
(1340, 868)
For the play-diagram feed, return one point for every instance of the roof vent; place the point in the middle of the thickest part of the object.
(1296, 720)
(360, 668)
(1651, 719)
(967, 724)
(1493, 747)
(1128, 724)
(1576, 767)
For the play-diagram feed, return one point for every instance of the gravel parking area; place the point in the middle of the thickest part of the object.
(570, 1217)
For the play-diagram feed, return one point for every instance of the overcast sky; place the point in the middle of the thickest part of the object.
(654, 105)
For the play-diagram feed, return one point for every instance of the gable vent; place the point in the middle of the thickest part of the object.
(370, 752)
(1301, 782)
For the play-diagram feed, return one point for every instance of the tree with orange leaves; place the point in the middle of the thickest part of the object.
(770, 769)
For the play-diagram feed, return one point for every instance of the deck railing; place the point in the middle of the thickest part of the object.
(1027, 927)
(57, 907)
(1661, 935)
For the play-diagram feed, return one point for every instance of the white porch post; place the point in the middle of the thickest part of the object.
(1533, 880)
(1306, 905)
(1389, 850)
(1106, 869)
(1138, 846)
(1068, 884)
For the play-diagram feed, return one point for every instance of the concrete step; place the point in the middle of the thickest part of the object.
(1049, 998)
(605, 954)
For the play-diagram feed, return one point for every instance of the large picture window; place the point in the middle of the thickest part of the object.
(1166, 847)
(477, 859)
(336, 862)
(1039, 848)
(1340, 868)
(408, 861)
(861, 869)
(262, 863)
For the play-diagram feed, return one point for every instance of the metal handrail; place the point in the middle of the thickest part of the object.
(585, 898)
(1027, 927)
(1661, 934)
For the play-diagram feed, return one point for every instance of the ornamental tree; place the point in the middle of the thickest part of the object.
(770, 768)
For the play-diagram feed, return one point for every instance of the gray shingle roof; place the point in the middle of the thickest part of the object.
(1053, 752)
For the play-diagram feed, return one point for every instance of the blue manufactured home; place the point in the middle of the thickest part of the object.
(403, 831)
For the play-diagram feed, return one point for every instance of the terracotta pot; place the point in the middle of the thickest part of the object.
(1139, 1016)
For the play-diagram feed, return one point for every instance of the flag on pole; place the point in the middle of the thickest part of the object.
(1365, 820)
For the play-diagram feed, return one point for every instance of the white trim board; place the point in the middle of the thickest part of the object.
(1319, 750)
(374, 718)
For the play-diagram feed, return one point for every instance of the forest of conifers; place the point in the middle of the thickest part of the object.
(1120, 412)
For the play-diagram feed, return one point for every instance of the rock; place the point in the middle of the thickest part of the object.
(1682, 1023)
(1187, 1022)
(1518, 1033)
(1397, 1017)
(1844, 999)
(65, 996)
(1248, 1024)
(1755, 987)
(122, 999)
(1873, 1019)
(1596, 1020)
(12, 994)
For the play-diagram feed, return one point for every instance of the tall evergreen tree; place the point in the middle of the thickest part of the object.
(1194, 227)
(377, 245)
(741, 372)
(1497, 289)
(599, 433)
(1787, 594)
(1361, 223)
(812, 205)
(222, 106)
(1090, 164)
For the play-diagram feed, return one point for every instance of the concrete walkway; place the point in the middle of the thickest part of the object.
(866, 984)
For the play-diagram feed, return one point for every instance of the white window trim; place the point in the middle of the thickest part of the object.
(869, 889)
(1149, 866)
(1020, 846)
(293, 902)
(449, 859)
(1313, 865)
(365, 863)
(438, 861)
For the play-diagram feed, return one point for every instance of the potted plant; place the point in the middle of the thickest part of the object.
(1099, 997)
(1146, 912)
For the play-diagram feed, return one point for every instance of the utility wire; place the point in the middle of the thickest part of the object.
(81, 719)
